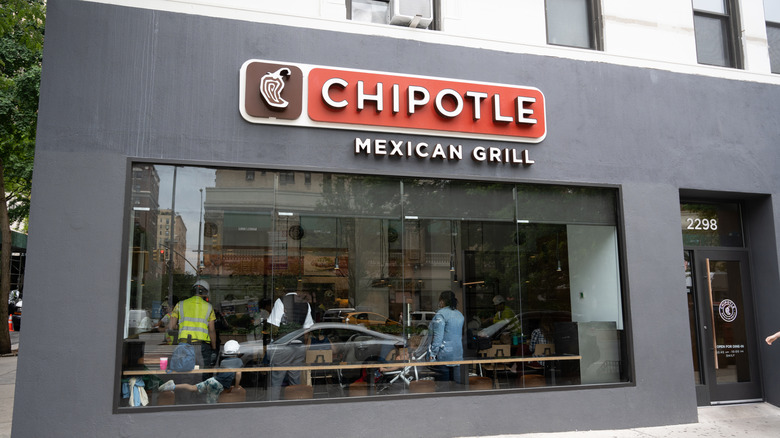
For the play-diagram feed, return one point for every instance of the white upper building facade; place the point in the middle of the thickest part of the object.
(657, 34)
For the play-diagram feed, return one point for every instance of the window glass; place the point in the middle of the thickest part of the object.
(706, 224)
(716, 6)
(772, 14)
(711, 40)
(338, 285)
(372, 11)
(773, 39)
(569, 23)
(714, 28)
(772, 11)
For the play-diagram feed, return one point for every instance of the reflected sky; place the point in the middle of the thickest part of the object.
(189, 182)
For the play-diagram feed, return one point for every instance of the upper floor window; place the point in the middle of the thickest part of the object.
(772, 14)
(574, 23)
(714, 23)
(410, 13)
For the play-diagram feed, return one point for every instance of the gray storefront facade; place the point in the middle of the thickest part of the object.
(125, 86)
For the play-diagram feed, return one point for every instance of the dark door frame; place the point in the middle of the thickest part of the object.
(710, 392)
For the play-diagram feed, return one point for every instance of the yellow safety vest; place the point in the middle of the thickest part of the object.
(194, 315)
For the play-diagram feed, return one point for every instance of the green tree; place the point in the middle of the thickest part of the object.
(21, 49)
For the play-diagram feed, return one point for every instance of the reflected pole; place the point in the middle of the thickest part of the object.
(200, 236)
(172, 239)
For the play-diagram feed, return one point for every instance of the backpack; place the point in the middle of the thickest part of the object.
(183, 358)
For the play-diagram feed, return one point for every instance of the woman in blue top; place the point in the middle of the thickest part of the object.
(447, 337)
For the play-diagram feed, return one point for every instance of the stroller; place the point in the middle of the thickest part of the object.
(407, 371)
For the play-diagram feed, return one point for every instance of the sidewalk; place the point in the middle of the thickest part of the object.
(754, 420)
(7, 386)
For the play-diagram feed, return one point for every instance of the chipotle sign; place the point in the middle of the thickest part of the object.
(315, 96)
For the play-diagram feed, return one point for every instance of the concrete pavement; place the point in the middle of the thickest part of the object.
(7, 386)
(753, 420)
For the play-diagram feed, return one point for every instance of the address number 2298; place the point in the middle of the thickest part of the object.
(702, 224)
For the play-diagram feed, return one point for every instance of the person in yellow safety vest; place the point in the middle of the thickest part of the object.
(195, 320)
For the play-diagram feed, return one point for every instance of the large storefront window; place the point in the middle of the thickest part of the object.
(328, 285)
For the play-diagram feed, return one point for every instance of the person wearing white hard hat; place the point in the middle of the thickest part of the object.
(504, 312)
(195, 320)
(213, 386)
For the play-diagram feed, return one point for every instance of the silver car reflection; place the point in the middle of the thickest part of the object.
(352, 344)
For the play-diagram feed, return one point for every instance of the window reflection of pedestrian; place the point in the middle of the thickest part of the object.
(289, 313)
(447, 338)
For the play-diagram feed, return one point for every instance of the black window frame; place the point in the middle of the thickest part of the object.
(595, 27)
(731, 18)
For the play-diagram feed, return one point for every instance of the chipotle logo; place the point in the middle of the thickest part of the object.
(315, 96)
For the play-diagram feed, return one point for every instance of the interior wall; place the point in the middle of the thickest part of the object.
(594, 274)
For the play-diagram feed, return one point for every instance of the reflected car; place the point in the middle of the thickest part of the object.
(336, 315)
(368, 319)
(349, 343)
(421, 318)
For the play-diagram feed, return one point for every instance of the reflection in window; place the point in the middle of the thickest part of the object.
(379, 11)
(711, 224)
(369, 256)
(714, 27)
(574, 23)
(772, 14)
(371, 11)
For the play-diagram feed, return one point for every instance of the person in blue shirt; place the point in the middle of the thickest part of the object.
(447, 338)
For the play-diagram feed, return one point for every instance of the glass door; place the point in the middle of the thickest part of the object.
(723, 340)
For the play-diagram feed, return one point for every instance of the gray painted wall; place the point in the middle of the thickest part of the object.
(121, 82)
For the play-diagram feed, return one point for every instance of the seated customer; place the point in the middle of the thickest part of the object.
(401, 355)
(214, 386)
(318, 341)
(542, 335)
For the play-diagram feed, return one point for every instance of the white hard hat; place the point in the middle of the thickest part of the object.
(498, 299)
(201, 284)
(232, 347)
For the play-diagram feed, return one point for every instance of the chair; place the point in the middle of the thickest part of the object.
(234, 394)
(533, 380)
(166, 398)
(358, 389)
(497, 351)
(320, 357)
(544, 350)
(477, 383)
(422, 386)
(298, 392)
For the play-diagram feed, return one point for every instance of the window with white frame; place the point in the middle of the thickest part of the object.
(772, 16)
(410, 13)
(715, 27)
(574, 23)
